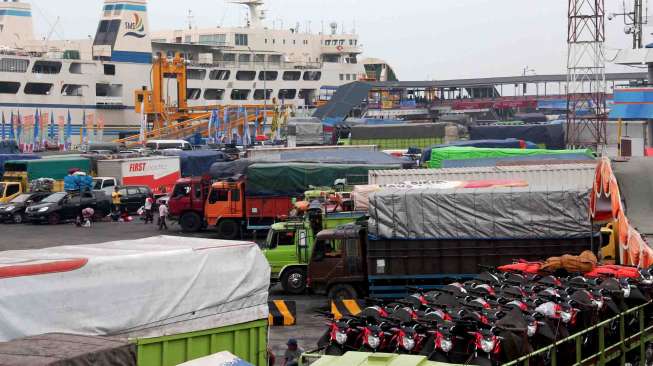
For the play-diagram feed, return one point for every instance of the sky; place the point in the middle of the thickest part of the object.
(421, 39)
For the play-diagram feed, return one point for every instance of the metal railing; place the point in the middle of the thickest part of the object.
(604, 354)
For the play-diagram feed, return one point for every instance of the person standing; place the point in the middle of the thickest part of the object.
(116, 197)
(149, 202)
(163, 213)
(292, 354)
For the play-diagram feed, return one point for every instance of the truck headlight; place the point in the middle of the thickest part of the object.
(341, 338)
(43, 209)
(373, 341)
(408, 343)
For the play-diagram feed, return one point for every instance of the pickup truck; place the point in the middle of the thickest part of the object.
(63, 206)
(9, 191)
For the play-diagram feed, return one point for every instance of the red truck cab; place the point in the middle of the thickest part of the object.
(186, 203)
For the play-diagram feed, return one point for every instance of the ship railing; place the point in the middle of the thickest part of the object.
(271, 66)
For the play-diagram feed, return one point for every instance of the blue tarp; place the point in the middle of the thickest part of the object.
(473, 163)
(633, 103)
(78, 183)
(198, 163)
(7, 157)
(493, 144)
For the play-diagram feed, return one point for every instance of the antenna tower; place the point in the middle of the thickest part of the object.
(586, 85)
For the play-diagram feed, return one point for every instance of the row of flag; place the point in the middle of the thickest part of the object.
(218, 129)
(33, 132)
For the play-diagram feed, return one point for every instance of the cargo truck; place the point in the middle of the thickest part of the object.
(289, 243)
(158, 173)
(24, 171)
(347, 263)
(223, 307)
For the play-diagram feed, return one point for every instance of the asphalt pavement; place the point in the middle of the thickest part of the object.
(34, 236)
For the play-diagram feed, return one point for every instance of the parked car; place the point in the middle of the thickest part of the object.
(133, 197)
(14, 210)
(63, 206)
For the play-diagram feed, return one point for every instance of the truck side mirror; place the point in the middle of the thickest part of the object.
(302, 240)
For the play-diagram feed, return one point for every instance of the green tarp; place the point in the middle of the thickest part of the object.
(48, 168)
(293, 179)
(438, 156)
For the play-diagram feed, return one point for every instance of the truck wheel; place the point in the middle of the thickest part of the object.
(54, 218)
(342, 292)
(190, 222)
(294, 281)
(18, 218)
(228, 229)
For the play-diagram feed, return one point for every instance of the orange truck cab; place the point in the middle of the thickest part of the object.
(232, 211)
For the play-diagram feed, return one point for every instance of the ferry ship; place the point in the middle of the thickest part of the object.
(94, 79)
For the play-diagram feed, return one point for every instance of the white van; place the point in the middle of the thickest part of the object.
(158, 145)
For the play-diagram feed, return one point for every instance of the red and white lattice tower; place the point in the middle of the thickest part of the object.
(586, 85)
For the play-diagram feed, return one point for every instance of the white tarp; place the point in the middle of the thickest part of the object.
(134, 288)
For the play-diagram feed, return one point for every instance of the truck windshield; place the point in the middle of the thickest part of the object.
(97, 183)
(279, 238)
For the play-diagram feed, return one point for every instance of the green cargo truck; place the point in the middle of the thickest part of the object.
(289, 245)
(25, 171)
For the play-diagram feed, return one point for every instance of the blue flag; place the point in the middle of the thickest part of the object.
(3, 125)
(11, 127)
(37, 123)
(68, 132)
(83, 132)
(51, 132)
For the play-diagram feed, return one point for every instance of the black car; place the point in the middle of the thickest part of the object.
(62, 206)
(14, 210)
(133, 197)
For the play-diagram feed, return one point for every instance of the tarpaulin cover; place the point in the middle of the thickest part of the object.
(229, 169)
(197, 163)
(400, 131)
(505, 143)
(133, 288)
(480, 213)
(361, 196)
(464, 153)
(306, 133)
(293, 179)
(342, 156)
(55, 168)
(78, 183)
(7, 157)
(485, 162)
(9, 147)
(551, 135)
(58, 349)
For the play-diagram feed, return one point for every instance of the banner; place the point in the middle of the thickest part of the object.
(61, 132)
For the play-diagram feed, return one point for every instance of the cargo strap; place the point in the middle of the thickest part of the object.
(340, 308)
(282, 312)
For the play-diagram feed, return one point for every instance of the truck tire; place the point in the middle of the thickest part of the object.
(342, 291)
(190, 222)
(293, 281)
(228, 229)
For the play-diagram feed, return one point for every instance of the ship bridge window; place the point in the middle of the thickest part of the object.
(241, 39)
(13, 65)
(292, 75)
(245, 75)
(312, 75)
(240, 94)
(38, 88)
(258, 94)
(194, 93)
(219, 74)
(268, 75)
(72, 90)
(9, 87)
(213, 39)
(259, 58)
(274, 59)
(109, 69)
(196, 74)
(229, 57)
(331, 58)
(108, 90)
(80, 68)
(46, 67)
(107, 32)
(327, 42)
(341, 42)
(244, 58)
(214, 94)
(287, 93)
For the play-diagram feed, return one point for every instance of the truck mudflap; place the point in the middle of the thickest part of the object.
(393, 287)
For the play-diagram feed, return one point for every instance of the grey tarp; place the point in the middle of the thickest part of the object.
(229, 169)
(197, 163)
(552, 135)
(58, 349)
(479, 213)
(306, 133)
(635, 179)
(398, 131)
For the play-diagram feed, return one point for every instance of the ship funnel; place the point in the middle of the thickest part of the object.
(123, 33)
(15, 23)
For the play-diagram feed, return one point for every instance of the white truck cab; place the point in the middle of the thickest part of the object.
(106, 184)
